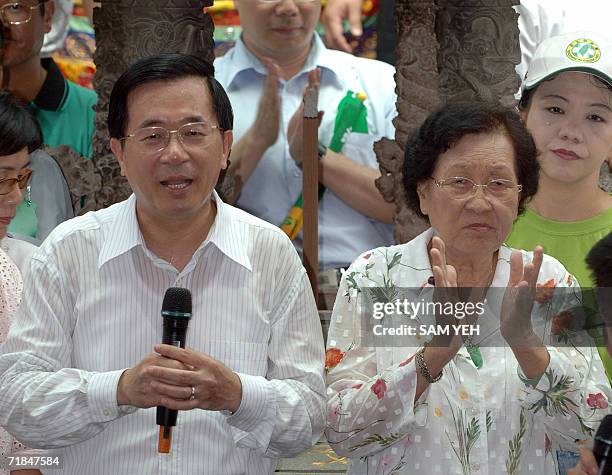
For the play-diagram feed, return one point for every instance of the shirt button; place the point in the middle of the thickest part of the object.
(476, 467)
(106, 413)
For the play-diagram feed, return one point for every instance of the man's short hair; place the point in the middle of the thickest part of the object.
(18, 127)
(165, 67)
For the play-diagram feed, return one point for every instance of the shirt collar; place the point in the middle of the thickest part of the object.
(125, 233)
(420, 258)
(226, 233)
(52, 94)
(243, 60)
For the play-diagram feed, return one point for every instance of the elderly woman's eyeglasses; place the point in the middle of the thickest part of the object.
(8, 184)
(17, 13)
(458, 187)
(151, 140)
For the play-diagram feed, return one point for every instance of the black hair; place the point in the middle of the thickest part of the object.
(19, 129)
(165, 67)
(449, 124)
(599, 260)
(527, 94)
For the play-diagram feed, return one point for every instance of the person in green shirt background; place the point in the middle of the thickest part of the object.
(566, 104)
(63, 109)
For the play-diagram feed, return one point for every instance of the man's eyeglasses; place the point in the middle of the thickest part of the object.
(151, 140)
(458, 187)
(8, 184)
(17, 13)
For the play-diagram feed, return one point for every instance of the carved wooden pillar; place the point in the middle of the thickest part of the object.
(447, 49)
(125, 32)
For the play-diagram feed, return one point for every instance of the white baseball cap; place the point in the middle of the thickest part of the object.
(582, 51)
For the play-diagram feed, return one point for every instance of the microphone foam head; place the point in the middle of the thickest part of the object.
(177, 300)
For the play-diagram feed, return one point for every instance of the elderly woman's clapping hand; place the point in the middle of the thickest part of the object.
(445, 279)
(515, 318)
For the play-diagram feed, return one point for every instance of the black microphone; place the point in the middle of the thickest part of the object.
(602, 447)
(176, 312)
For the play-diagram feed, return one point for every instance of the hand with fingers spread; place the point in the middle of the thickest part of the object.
(336, 11)
(587, 464)
(294, 128)
(445, 278)
(517, 304)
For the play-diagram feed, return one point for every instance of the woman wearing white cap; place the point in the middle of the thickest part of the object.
(566, 104)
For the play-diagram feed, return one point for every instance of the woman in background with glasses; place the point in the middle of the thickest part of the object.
(467, 392)
(19, 136)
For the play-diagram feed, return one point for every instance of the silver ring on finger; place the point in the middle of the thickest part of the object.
(192, 397)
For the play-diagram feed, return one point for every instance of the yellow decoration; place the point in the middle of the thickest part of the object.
(224, 5)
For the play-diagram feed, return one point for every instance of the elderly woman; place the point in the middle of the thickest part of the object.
(449, 406)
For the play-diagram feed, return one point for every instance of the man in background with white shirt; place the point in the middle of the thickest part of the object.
(82, 369)
(265, 75)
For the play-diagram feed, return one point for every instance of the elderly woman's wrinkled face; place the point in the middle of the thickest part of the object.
(479, 222)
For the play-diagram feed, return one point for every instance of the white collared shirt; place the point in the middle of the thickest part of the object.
(276, 182)
(91, 308)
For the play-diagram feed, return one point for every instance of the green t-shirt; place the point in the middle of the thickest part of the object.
(65, 113)
(72, 123)
(568, 242)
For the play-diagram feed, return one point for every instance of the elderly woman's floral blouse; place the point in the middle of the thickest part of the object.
(490, 420)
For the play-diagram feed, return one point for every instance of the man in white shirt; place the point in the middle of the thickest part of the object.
(82, 370)
(265, 75)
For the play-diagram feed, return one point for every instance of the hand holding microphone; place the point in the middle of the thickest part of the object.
(178, 378)
(176, 312)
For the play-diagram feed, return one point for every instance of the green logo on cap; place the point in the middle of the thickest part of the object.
(583, 50)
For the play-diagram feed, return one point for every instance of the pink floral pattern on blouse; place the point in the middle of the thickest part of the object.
(11, 286)
(486, 420)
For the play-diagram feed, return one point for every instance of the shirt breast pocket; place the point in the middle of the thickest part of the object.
(240, 356)
(360, 148)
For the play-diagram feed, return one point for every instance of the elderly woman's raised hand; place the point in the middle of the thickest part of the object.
(445, 279)
(515, 324)
(515, 318)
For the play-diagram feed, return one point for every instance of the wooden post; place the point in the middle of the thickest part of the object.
(310, 187)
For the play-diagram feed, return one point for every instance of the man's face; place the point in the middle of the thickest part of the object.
(23, 42)
(176, 183)
(281, 29)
